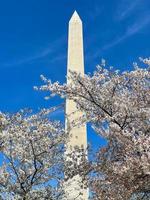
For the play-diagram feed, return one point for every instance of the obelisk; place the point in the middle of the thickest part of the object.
(78, 135)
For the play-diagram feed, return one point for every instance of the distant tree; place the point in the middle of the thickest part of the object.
(118, 106)
(32, 149)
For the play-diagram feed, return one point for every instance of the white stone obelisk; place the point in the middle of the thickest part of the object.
(78, 135)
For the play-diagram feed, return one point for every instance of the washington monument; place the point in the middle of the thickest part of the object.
(78, 135)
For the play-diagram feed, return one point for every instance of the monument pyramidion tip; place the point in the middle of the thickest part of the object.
(75, 17)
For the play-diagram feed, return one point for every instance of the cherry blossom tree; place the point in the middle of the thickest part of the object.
(32, 149)
(118, 106)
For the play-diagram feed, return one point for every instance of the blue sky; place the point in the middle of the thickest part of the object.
(33, 41)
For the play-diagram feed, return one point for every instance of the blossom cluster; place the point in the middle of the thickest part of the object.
(117, 104)
(32, 149)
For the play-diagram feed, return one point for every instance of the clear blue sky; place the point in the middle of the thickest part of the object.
(33, 41)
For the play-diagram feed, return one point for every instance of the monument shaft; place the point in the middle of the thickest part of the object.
(78, 135)
(75, 63)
